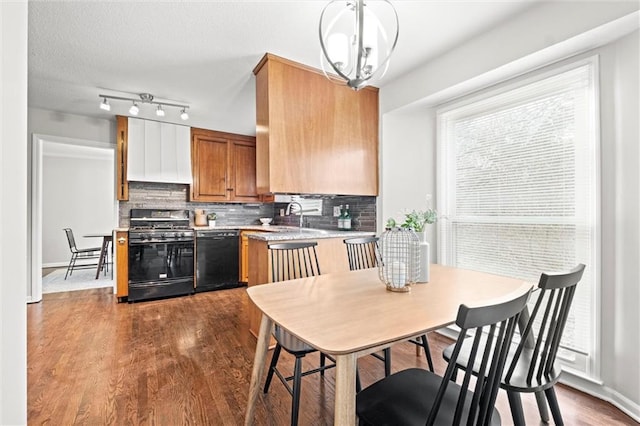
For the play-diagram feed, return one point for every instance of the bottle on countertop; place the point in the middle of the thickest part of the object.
(346, 224)
(341, 219)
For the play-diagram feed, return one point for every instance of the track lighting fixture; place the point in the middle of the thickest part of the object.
(144, 98)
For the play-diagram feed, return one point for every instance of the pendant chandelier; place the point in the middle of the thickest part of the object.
(357, 39)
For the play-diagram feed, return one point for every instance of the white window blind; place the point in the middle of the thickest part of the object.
(518, 188)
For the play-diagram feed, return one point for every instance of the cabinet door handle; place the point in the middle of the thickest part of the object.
(229, 189)
(122, 240)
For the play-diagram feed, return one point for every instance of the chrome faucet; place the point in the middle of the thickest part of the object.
(300, 211)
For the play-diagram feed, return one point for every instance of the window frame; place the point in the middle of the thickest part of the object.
(587, 367)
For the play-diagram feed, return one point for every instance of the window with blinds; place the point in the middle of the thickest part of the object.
(518, 189)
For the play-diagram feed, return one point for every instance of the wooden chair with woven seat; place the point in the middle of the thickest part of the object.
(292, 260)
(80, 254)
(417, 397)
(364, 253)
(531, 364)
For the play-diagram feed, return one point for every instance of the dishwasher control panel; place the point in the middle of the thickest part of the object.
(211, 233)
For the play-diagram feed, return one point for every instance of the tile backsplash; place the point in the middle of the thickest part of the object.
(362, 209)
(152, 195)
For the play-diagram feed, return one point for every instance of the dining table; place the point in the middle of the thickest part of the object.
(107, 239)
(350, 314)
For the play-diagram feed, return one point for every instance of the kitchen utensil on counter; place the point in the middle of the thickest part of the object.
(265, 221)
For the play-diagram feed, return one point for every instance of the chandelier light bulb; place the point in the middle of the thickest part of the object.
(105, 105)
(339, 50)
(134, 110)
(160, 111)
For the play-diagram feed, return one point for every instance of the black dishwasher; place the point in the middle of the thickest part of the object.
(217, 259)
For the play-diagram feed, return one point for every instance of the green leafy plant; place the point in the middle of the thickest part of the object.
(418, 219)
(212, 216)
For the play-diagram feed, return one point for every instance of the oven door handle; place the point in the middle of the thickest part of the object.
(151, 242)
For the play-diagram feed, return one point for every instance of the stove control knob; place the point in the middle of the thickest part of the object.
(163, 235)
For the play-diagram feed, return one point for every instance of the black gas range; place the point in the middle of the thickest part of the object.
(161, 254)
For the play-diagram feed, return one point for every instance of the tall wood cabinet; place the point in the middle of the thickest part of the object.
(122, 184)
(313, 135)
(223, 166)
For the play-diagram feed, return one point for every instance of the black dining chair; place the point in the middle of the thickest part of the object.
(531, 364)
(364, 253)
(418, 397)
(80, 254)
(292, 260)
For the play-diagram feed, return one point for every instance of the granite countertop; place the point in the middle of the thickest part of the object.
(287, 233)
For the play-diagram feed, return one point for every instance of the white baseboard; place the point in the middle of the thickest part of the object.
(600, 391)
(55, 265)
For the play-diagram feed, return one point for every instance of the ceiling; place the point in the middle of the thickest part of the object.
(202, 53)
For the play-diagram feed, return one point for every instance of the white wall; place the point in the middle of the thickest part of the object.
(77, 193)
(533, 32)
(13, 212)
(621, 183)
(536, 40)
(408, 167)
(45, 122)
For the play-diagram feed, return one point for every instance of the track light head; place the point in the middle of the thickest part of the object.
(105, 105)
(160, 111)
(134, 110)
(183, 114)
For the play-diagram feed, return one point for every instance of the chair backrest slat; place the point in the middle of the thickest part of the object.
(293, 260)
(549, 317)
(363, 252)
(564, 314)
(499, 321)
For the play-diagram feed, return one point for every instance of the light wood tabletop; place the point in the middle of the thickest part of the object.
(351, 314)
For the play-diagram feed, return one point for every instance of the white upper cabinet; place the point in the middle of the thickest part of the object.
(158, 152)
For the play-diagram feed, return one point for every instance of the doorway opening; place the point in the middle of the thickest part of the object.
(72, 187)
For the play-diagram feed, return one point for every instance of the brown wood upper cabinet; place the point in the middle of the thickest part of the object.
(223, 166)
(313, 135)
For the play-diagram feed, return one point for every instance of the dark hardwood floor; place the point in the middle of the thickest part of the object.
(187, 361)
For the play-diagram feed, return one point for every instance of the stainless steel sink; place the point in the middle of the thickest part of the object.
(314, 231)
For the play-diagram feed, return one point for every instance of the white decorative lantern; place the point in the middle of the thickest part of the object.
(399, 267)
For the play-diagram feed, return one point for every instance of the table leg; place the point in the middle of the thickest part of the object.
(103, 252)
(345, 402)
(113, 263)
(262, 347)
